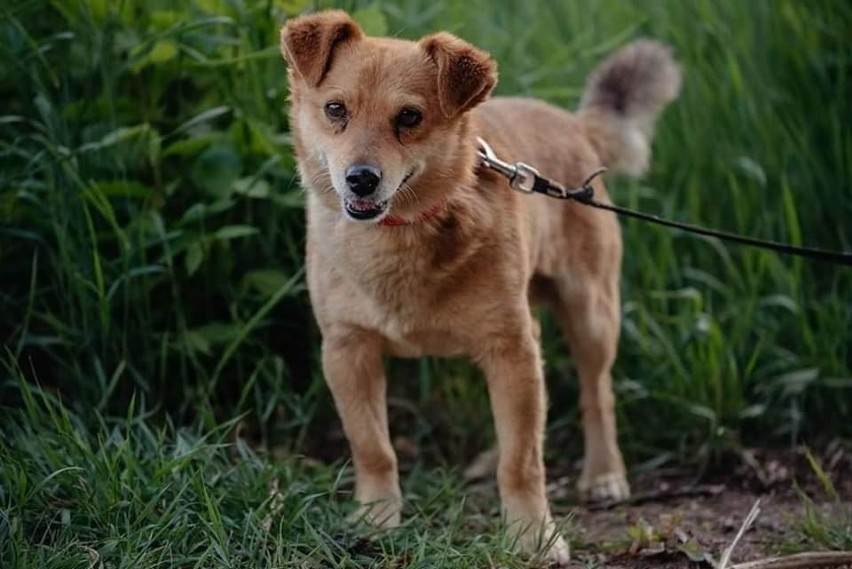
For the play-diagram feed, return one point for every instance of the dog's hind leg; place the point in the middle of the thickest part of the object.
(352, 363)
(590, 315)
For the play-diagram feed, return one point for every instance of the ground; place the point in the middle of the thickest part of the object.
(708, 523)
(680, 516)
(675, 521)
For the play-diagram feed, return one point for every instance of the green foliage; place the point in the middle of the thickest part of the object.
(149, 207)
(825, 526)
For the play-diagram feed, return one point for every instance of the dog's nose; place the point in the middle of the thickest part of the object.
(363, 179)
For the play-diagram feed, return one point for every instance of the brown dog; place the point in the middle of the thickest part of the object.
(414, 249)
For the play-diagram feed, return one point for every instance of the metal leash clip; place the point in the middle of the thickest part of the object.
(521, 176)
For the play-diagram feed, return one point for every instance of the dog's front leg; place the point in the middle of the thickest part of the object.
(352, 363)
(512, 366)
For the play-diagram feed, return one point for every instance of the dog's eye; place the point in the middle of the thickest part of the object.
(335, 110)
(409, 118)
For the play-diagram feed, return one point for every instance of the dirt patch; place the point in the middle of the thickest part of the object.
(676, 523)
(651, 534)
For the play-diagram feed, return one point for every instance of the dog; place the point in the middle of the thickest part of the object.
(415, 249)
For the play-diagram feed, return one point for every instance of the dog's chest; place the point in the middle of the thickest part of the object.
(409, 307)
(425, 293)
(403, 299)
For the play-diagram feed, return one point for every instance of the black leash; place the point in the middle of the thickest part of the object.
(525, 178)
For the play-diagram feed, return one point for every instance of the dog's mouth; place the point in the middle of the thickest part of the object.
(364, 210)
(367, 209)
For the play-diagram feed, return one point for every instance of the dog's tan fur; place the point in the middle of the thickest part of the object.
(460, 281)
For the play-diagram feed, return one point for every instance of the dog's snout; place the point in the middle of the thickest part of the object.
(363, 179)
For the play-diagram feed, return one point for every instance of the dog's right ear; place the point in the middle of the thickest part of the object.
(308, 42)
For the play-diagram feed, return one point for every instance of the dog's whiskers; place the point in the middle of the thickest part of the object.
(407, 193)
(321, 180)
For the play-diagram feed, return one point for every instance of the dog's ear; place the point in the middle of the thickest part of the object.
(466, 75)
(308, 42)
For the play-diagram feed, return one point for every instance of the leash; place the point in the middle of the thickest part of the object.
(526, 179)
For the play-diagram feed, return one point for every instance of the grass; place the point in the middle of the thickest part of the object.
(151, 264)
(126, 494)
(827, 525)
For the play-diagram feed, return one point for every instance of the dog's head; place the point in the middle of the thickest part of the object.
(380, 121)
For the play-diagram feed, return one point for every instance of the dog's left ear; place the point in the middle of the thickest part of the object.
(308, 42)
(466, 75)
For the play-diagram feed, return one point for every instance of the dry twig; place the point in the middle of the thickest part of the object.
(809, 560)
(752, 515)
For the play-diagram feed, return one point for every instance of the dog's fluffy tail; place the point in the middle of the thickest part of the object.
(622, 99)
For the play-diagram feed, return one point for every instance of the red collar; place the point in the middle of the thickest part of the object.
(396, 221)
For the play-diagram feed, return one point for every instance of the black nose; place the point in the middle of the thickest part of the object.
(363, 179)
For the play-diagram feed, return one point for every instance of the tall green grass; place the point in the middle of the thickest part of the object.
(152, 227)
(152, 233)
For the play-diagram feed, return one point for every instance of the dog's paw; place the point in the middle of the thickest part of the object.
(381, 514)
(609, 487)
(541, 545)
(559, 554)
(553, 550)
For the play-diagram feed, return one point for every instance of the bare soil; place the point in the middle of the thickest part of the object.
(651, 534)
(674, 522)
